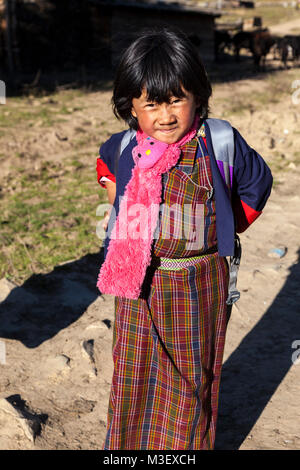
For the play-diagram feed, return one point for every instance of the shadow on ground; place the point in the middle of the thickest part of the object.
(256, 368)
(48, 303)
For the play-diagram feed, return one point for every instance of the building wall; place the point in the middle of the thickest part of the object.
(62, 33)
(126, 23)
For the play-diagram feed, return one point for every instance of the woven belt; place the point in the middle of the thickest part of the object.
(174, 264)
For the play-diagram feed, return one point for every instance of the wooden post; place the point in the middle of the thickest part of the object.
(8, 38)
(11, 42)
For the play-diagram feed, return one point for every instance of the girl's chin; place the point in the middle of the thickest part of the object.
(169, 137)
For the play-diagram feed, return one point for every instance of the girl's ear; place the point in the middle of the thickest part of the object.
(133, 112)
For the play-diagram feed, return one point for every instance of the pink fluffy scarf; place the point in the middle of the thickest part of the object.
(129, 249)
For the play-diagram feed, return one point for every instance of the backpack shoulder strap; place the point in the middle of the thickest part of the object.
(223, 145)
(127, 137)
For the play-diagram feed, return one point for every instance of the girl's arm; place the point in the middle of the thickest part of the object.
(111, 195)
(105, 165)
(111, 191)
(252, 186)
(108, 181)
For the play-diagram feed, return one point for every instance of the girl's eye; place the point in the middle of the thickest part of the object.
(177, 100)
(150, 105)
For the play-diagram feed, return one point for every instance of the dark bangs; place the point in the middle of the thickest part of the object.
(161, 62)
(160, 78)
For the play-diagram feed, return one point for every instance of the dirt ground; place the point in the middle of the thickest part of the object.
(56, 331)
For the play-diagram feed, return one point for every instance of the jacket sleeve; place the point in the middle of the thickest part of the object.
(103, 173)
(107, 154)
(252, 184)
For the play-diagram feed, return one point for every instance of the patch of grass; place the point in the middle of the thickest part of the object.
(36, 109)
(82, 142)
(65, 110)
(17, 116)
(77, 164)
(68, 96)
(270, 14)
(46, 221)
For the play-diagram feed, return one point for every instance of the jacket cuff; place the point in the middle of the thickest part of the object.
(244, 215)
(103, 171)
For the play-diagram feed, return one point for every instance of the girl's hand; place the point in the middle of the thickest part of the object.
(106, 219)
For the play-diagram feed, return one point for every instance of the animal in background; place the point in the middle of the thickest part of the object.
(258, 42)
(222, 40)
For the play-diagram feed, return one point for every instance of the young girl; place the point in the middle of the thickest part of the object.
(172, 225)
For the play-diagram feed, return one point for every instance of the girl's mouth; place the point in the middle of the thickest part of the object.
(168, 131)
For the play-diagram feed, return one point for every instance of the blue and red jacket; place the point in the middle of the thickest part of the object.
(235, 210)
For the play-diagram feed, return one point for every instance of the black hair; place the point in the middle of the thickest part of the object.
(162, 62)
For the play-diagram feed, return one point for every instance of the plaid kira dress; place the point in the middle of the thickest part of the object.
(168, 345)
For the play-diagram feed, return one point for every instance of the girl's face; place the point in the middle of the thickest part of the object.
(167, 122)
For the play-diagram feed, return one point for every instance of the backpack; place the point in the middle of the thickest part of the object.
(223, 145)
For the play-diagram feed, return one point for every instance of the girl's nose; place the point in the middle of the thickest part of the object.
(166, 115)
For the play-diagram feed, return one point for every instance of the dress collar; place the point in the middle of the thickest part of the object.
(189, 152)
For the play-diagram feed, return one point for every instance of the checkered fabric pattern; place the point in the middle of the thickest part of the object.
(186, 190)
(168, 347)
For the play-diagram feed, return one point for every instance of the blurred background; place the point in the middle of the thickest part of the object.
(48, 41)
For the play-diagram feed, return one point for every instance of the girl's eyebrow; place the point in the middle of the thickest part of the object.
(171, 98)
